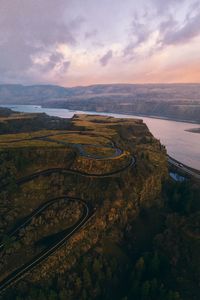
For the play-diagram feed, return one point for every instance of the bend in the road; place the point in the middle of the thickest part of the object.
(16, 275)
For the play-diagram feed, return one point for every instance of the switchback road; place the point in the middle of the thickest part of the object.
(88, 211)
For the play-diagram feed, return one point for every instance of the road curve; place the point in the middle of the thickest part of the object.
(37, 212)
(76, 172)
(118, 152)
(17, 274)
(47, 172)
(87, 213)
(79, 147)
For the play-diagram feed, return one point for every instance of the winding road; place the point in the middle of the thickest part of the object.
(37, 212)
(88, 210)
(78, 146)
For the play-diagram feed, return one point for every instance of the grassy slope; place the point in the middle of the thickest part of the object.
(117, 199)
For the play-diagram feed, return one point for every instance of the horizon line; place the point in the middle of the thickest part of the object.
(98, 84)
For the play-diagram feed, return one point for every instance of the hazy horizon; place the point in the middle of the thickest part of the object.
(99, 84)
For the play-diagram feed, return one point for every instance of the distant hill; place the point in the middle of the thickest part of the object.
(173, 101)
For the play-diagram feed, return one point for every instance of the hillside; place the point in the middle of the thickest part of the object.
(88, 212)
(173, 101)
(92, 161)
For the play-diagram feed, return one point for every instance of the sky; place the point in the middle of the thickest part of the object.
(85, 42)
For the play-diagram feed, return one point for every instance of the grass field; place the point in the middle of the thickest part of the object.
(17, 116)
(26, 135)
(79, 138)
(101, 151)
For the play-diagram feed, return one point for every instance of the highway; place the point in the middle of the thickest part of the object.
(88, 212)
(183, 168)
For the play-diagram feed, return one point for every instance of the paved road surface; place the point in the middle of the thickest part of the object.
(183, 168)
(88, 211)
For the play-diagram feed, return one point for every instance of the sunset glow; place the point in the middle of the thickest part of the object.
(77, 42)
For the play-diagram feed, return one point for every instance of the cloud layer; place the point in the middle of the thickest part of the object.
(79, 42)
(104, 60)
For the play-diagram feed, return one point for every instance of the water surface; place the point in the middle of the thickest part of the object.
(182, 145)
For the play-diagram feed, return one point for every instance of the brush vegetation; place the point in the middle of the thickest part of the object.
(142, 241)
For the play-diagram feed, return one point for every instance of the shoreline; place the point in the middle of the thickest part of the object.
(14, 107)
(107, 112)
(129, 114)
(184, 165)
(193, 130)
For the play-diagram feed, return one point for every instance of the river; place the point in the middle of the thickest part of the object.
(182, 145)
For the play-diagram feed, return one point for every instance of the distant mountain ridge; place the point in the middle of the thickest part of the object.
(174, 101)
(8, 92)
